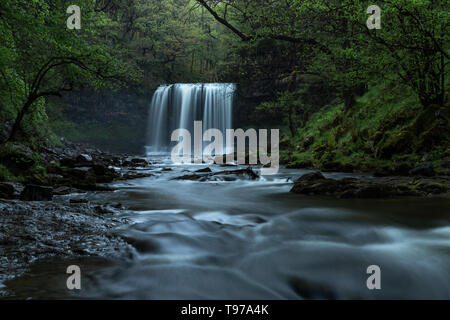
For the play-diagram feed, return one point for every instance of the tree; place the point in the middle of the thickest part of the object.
(412, 44)
(47, 59)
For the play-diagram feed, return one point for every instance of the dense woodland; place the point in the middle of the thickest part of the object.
(345, 96)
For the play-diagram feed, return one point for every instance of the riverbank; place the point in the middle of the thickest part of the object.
(373, 187)
(44, 211)
(78, 212)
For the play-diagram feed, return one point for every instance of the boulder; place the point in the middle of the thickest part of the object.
(228, 175)
(139, 162)
(36, 193)
(311, 177)
(423, 170)
(67, 162)
(79, 173)
(6, 190)
(63, 190)
(83, 160)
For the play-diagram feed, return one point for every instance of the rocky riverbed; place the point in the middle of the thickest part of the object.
(380, 187)
(70, 210)
(31, 231)
(46, 215)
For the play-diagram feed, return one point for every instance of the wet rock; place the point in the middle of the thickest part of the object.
(53, 179)
(78, 201)
(54, 169)
(311, 176)
(424, 170)
(204, 170)
(316, 184)
(432, 187)
(228, 175)
(84, 158)
(6, 190)
(17, 158)
(67, 162)
(402, 169)
(63, 190)
(86, 186)
(79, 173)
(33, 231)
(135, 175)
(190, 177)
(36, 193)
(104, 174)
(138, 162)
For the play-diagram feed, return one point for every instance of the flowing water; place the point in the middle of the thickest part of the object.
(247, 239)
(178, 106)
(255, 240)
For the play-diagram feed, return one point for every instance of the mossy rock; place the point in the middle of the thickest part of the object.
(397, 143)
(432, 187)
(432, 136)
(17, 158)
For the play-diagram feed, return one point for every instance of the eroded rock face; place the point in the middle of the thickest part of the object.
(316, 184)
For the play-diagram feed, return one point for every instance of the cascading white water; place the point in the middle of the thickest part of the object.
(178, 106)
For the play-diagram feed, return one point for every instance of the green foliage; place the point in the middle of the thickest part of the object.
(386, 129)
(5, 175)
(41, 57)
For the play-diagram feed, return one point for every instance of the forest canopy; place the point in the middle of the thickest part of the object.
(294, 61)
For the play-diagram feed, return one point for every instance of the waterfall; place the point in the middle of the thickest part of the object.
(178, 106)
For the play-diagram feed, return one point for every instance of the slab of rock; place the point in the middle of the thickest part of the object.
(316, 184)
(204, 170)
(228, 175)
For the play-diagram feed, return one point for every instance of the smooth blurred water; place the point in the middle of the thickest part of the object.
(178, 106)
(255, 240)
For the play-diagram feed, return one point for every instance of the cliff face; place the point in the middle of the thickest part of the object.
(116, 121)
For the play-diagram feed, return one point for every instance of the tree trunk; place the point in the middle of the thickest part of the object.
(19, 118)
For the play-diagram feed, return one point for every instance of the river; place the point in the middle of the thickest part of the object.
(248, 239)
